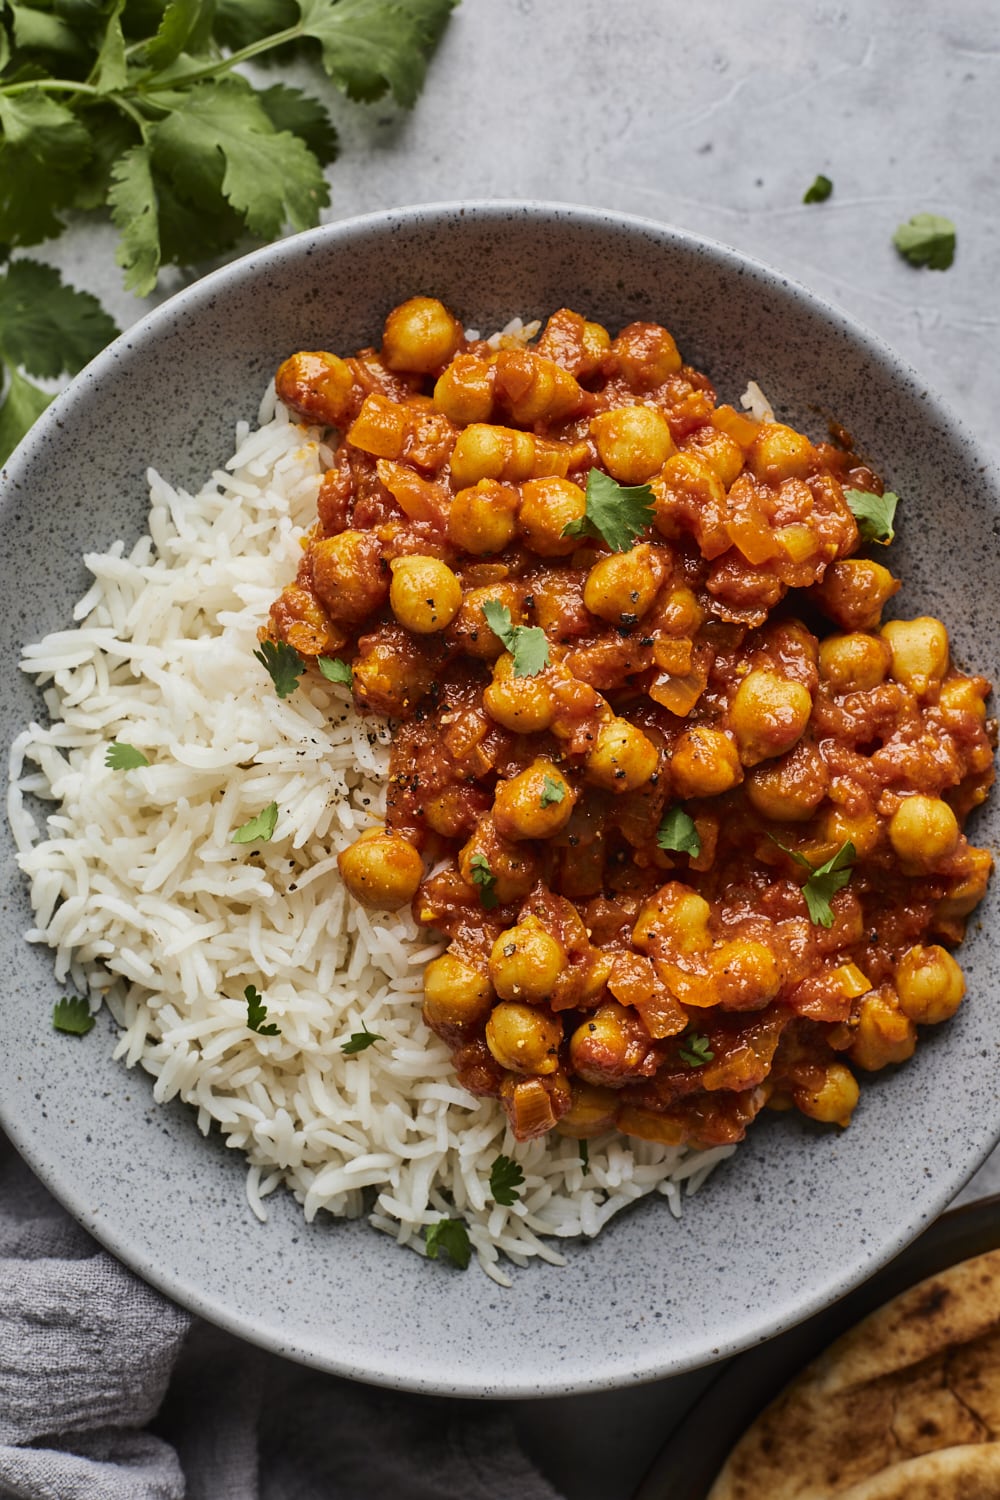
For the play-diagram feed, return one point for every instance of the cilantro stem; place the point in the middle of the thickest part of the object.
(50, 86)
(253, 49)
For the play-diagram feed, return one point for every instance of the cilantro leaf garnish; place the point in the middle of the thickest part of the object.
(584, 1153)
(616, 513)
(677, 832)
(335, 670)
(483, 876)
(360, 1041)
(552, 791)
(451, 1236)
(284, 664)
(824, 880)
(72, 1015)
(259, 828)
(121, 757)
(506, 1178)
(819, 190)
(696, 1051)
(874, 514)
(927, 240)
(527, 644)
(257, 1013)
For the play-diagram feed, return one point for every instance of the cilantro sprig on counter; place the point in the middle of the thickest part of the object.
(527, 644)
(824, 880)
(874, 514)
(47, 329)
(616, 513)
(818, 190)
(137, 108)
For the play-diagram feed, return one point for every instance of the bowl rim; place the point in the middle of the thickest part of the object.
(189, 300)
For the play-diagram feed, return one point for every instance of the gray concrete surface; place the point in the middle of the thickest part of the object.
(715, 117)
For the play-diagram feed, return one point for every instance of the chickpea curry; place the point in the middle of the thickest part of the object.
(689, 815)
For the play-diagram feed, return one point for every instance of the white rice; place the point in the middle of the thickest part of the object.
(149, 906)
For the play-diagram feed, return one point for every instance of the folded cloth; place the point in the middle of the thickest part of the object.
(110, 1392)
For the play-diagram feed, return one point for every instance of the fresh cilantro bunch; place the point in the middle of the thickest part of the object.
(136, 107)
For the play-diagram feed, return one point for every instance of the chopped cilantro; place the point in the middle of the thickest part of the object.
(696, 1051)
(451, 1236)
(120, 757)
(584, 1154)
(616, 513)
(259, 828)
(484, 877)
(526, 643)
(335, 670)
(360, 1041)
(819, 190)
(677, 832)
(284, 664)
(257, 1013)
(927, 240)
(72, 1015)
(506, 1178)
(824, 880)
(552, 791)
(874, 514)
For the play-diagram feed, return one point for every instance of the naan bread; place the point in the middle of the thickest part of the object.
(907, 1403)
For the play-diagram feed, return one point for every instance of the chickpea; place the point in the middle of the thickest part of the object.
(768, 715)
(609, 1047)
(471, 630)
(420, 336)
(487, 452)
(535, 389)
(424, 594)
(521, 704)
(854, 591)
(535, 804)
(349, 576)
(634, 442)
(483, 517)
(923, 831)
(961, 695)
(919, 651)
(464, 391)
(679, 913)
(513, 867)
(391, 673)
(930, 984)
(455, 994)
(622, 587)
(855, 662)
(381, 870)
(838, 826)
(596, 344)
(745, 975)
(524, 1038)
(790, 789)
(705, 763)
(547, 508)
(884, 1034)
(525, 962)
(779, 452)
(622, 758)
(834, 1101)
(316, 387)
(721, 452)
(647, 355)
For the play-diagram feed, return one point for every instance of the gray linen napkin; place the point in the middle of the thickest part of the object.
(109, 1392)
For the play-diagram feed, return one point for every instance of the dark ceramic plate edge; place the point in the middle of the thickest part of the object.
(693, 1455)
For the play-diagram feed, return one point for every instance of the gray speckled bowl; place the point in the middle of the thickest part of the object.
(799, 1215)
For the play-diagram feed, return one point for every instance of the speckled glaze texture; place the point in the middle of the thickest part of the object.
(800, 1214)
